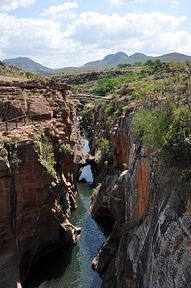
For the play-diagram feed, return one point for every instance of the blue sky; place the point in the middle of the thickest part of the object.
(61, 33)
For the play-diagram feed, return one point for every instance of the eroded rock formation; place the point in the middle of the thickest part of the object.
(38, 166)
(149, 246)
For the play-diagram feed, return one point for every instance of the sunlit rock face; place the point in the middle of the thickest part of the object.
(150, 242)
(36, 199)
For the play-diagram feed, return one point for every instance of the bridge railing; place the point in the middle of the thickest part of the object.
(88, 97)
(27, 119)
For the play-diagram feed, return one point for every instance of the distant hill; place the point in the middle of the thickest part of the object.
(174, 56)
(28, 64)
(13, 73)
(138, 57)
(113, 60)
(109, 61)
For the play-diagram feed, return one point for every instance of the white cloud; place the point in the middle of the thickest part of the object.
(116, 2)
(29, 36)
(61, 10)
(173, 3)
(179, 41)
(156, 1)
(8, 5)
(91, 36)
(93, 27)
(144, 32)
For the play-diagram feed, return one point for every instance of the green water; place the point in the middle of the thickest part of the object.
(71, 267)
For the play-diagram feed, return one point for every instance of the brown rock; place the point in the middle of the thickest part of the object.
(142, 188)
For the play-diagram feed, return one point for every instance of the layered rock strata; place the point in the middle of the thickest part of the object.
(39, 160)
(149, 246)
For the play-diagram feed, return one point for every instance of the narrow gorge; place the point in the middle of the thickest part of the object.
(134, 180)
(38, 187)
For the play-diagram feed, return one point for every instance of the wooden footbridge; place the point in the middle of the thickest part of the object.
(88, 97)
(24, 120)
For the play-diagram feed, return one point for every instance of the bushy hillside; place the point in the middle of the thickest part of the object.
(28, 64)
(159, 95)
(12, 72)
(141, 135)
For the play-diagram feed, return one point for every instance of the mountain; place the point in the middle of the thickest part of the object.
(138, 57)
(174, 56)
(113, 60)
(109, 61)
(28, 64)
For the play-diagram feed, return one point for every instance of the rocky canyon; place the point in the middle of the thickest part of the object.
(40, 153)
(139, 130)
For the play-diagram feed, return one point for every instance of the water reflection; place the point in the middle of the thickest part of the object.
(71, 267)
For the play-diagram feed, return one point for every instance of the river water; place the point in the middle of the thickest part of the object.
(71, 267)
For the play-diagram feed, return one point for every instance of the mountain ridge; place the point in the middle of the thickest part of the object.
(109, 61)
(28, 64)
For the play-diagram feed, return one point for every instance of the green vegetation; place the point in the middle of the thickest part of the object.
(47, 156)
(109, 109)
(64, 149)
(12, 153)
(161, 107)
(137, 64)
(147, 128)
(104, 146)
(29, 75)
(105, 85)
(128, 65)
(167, 129)
(113, 84)
(96, 190)
(1, 63)
(15, 73)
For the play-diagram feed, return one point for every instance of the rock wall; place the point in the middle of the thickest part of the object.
(37, 178)
(149, 246)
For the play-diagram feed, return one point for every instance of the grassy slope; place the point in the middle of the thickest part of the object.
(160, 94)
(11, 73)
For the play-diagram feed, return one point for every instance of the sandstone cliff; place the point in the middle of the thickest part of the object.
(149, 199)
(39, 158)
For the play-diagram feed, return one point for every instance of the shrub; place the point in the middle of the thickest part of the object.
(124, 65)
(29, 75)
(137, 64)
(12, 153)
(105, 86)
(64, 149)
(47, 156)
(135, 95)
(109, 109)
(104, 145)
(178, 135)
(147, 128)
(152, 66)
(147, 70)
(168, 129)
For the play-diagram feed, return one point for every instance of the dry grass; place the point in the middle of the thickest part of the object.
(12, 78)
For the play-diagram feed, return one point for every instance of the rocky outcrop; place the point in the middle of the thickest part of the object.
(38, 166)
(156, 253)
(84, 77)
(31, 98)
(150, 202)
